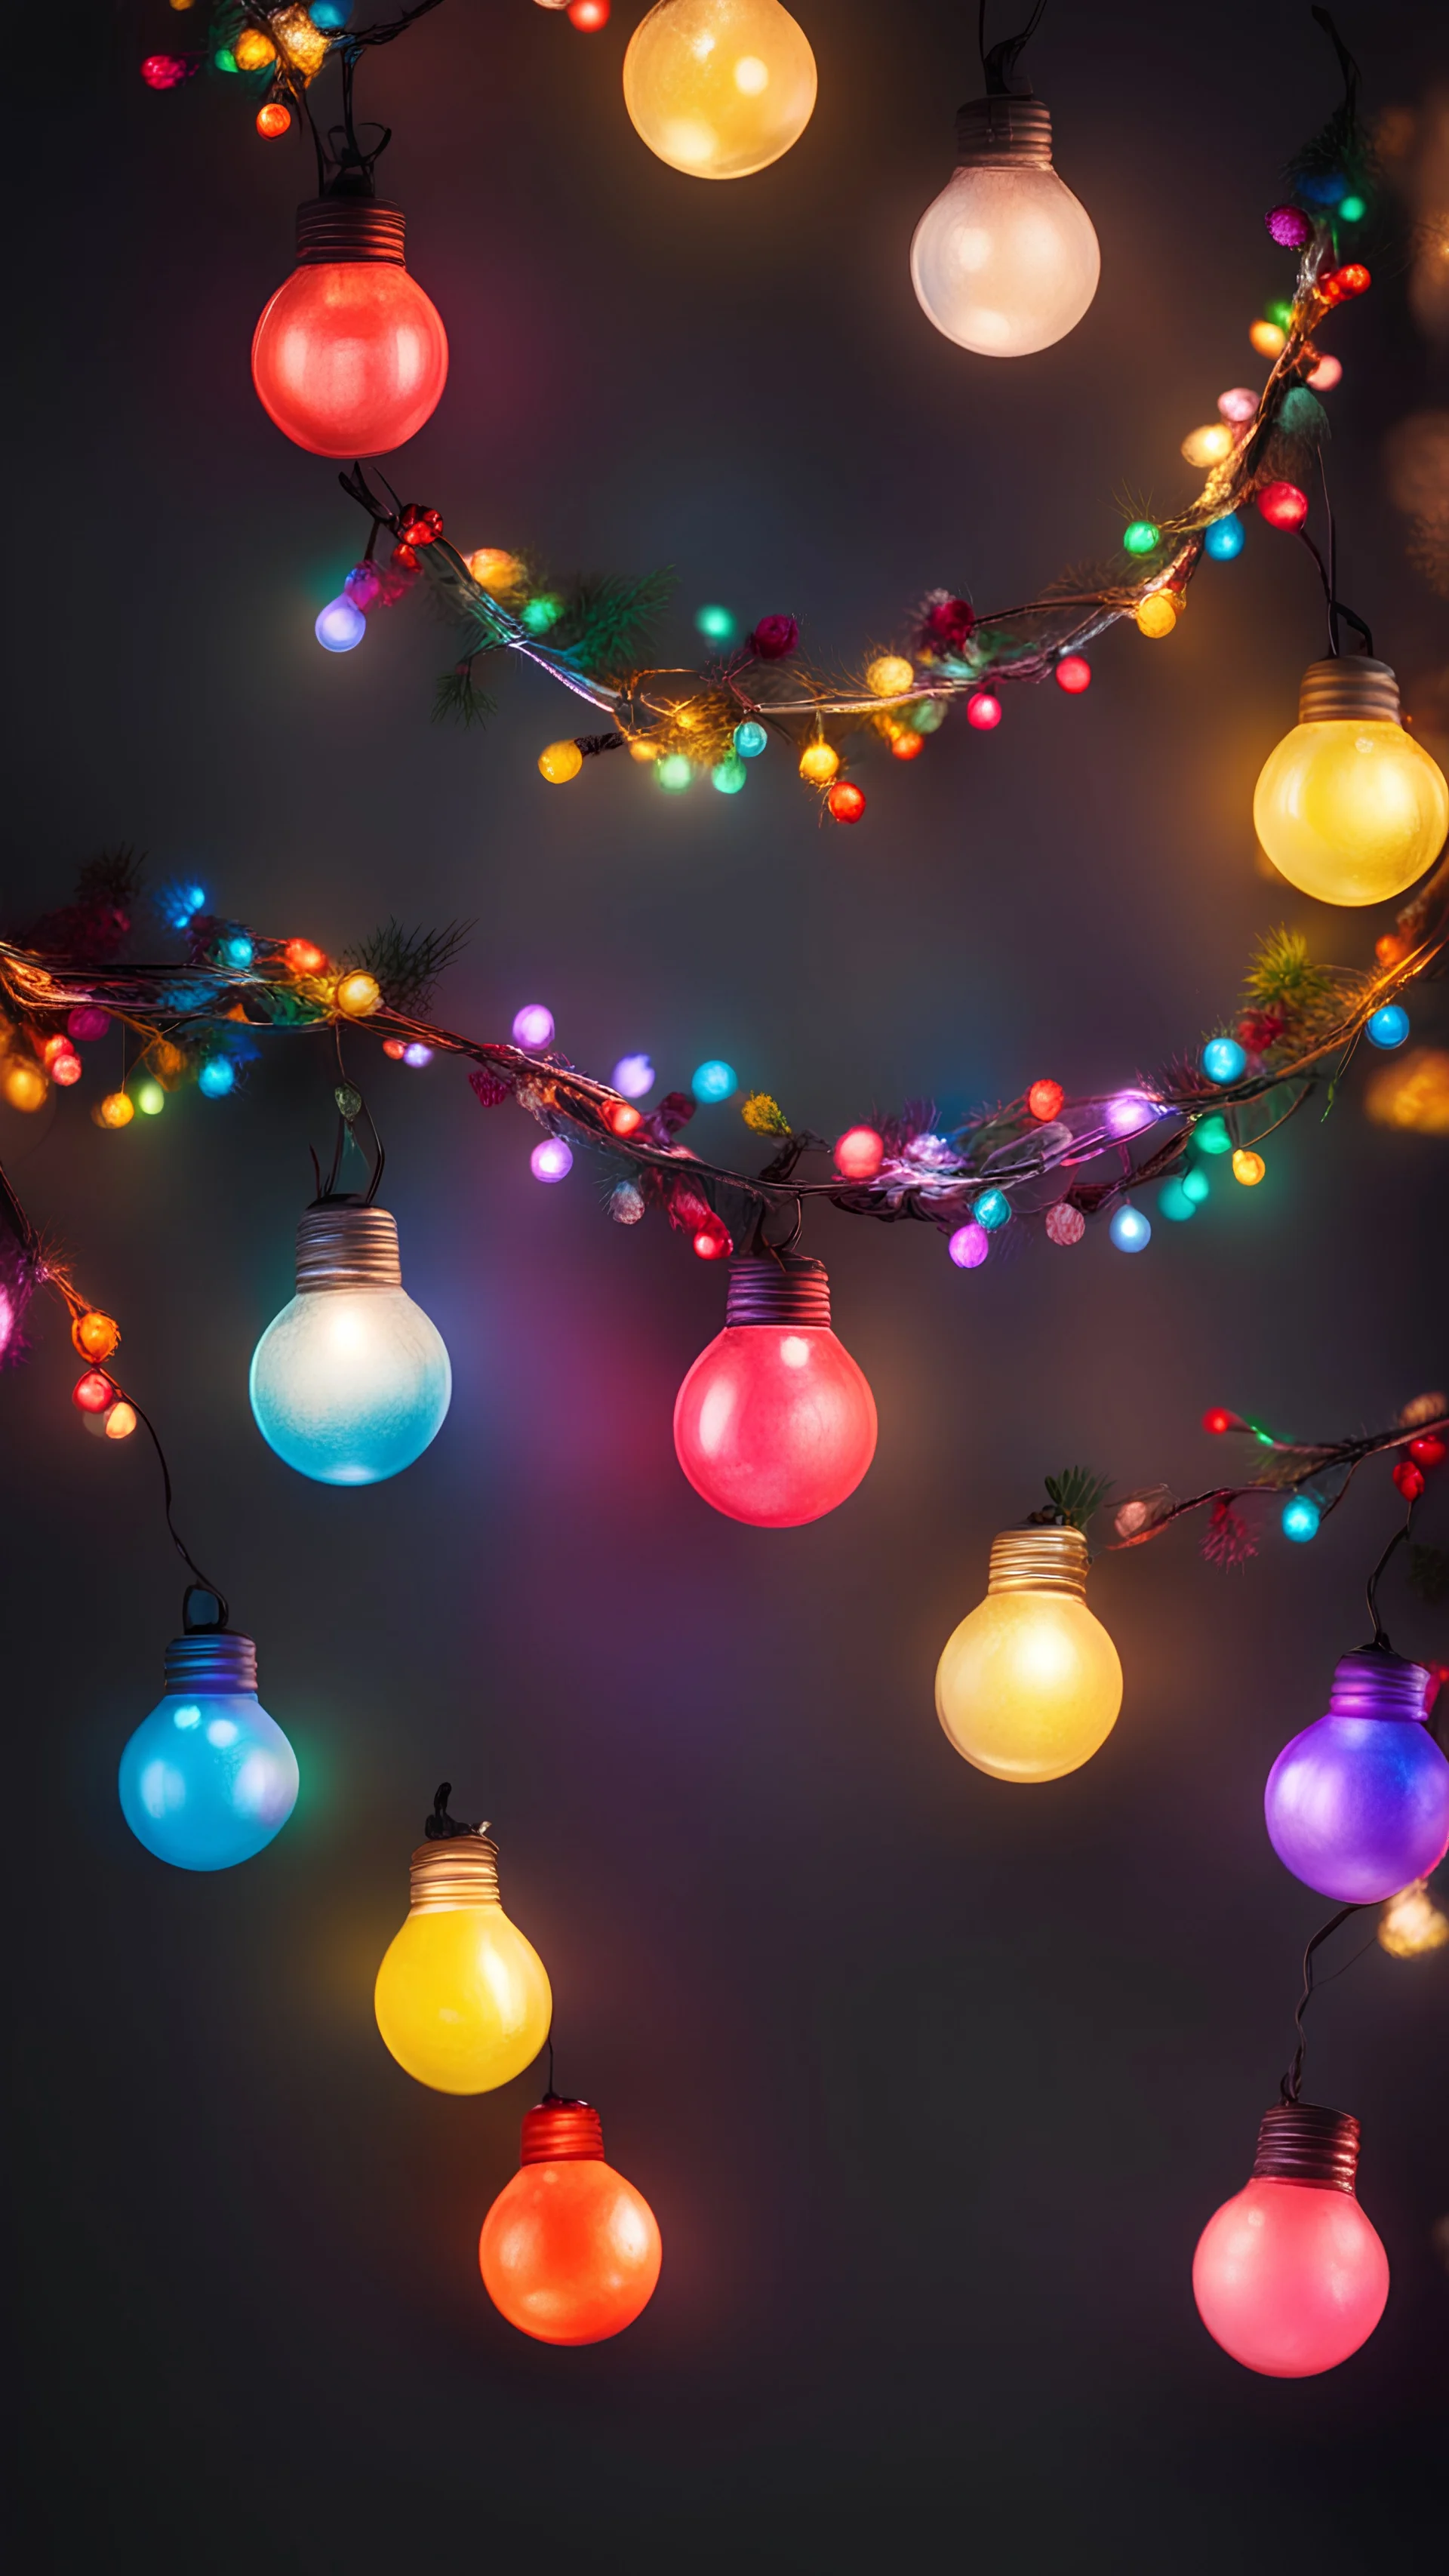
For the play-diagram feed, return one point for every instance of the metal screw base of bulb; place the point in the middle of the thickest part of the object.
(445, 1877)
(210, 1659)
(1346, 686)
(560, 2132)
(1373, 1683)
(1302, 2142)
(785, 1288)
(992, 133)
(347, 231)
(342, 1244)
(1039, 1560)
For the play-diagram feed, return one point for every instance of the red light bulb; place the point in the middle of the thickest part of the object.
(1289, 2276)
(349, 358)
(775, 1424)
(1045, 1098)
(1283, 505)
(570, 2251)
(859, 1153)
(1074, 673)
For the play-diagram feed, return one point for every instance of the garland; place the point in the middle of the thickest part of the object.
(1044, 1159)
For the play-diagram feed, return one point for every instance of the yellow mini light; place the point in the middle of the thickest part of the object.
(890, 676)
(252, 50)
(558, 762)
(22, 1082)
(116, 1110)
(1156, 615)
(1267, 339)
(819, 762)
(1411, 1923)
(1210, 445)
(462, 1999)
(1030, 1685)
(495, 570)
(358, 993)
(1349, 807)
(719, 88)
(1248, 1167)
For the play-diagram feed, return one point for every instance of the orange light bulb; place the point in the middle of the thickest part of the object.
(570, 2251)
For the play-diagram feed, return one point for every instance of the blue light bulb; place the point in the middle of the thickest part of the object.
(992, 1209)
(729, 776)
(1130, 1230)
(208, 1778)
(1176, 1201)
(1225, 538)
(216, 1077)
(715, 1080)
(340, 626)
(1388, 1027)
(1223, 1060)
(1301, 1518)
(351, 1381)
(751, 739)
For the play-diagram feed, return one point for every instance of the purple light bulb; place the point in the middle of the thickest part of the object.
(1358, 1804)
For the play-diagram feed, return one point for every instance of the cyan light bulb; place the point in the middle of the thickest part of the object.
(208, 1778)
(1005, 261)
(352, 1380)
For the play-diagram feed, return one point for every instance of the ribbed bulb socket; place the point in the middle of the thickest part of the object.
(1039, 1560)
(559, 2132)
(345, 232)
(447, 1876)
(1371, 1683)
(1302, 2142)
(342, 1244)
(783, 1288)
(210, 1659)
(1346, 686)
(992, 133)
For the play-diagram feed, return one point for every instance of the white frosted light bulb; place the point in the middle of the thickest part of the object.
(1006, 260)
(352, 1380)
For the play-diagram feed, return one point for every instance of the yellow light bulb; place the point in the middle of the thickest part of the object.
(1029, 1685)
(1412, 1923)
(1413, 1093)
(252, 50)
(719, 88)
(1349, 808)
(23, 1083)
(819, 762)
(358, 994)
(890, 676)
(1267, 339)
(1209, 445)
(1248, 1167)
(1157, 615)
(116, 1110)
(462, 2000)
(558, 762)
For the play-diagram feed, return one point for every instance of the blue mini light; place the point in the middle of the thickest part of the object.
(340, 626)
(216, 1077)
(1130, 1230)
(329, 15)
(1326, 188)
(1225, 538)
(750, 739)
(237, 950)
(992, 1209)
(1301, 1518)
(1388, 1027)
(714, 1080)
(1223, 1060)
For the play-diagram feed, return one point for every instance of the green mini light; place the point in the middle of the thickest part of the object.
(1353, 209)
(539, 614)
(716, 623)
(1279, 312)
(1211, 1136)
(729, 775)
(224, 59)
(1196, 1186)
(150, 1099)
(674, 773)
(1141, 537)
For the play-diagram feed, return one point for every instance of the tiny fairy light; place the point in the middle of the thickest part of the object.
(1130, 1230)
(340, 626)
(750, 739)
(845, 802)
(1141, 536)
(552, 1160)
(1248, 1167)
(1267, 339)
(890, 676)
(1411, 1924)
(1224, 1060)
(714, 1080)
(983, 711)
(1225, 538)
(1283, 505)
(969, 1246)
(1210, 444)
(1300, 1518)
(819, 762)
(358, 994)
(116, 1110)
(1156, 615)
(1388, 1027)
(1073, 673)
(533, 1027)
(558, 762)
(1045, 1099)
(859, 1153)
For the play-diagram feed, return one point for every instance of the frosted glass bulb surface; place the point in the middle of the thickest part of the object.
(1290, 2278)
(349, 1385)
(207, 1779)
(1351, 810)
(719, 88)
(1006, 260)
(775, 1424)
(350, 359)
(570, 2251)
(1029, 1686)
(462, 1999)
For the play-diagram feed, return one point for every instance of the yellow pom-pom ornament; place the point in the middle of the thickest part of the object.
(890, 676)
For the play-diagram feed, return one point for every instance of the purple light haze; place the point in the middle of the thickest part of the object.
(552, 1160)
(533, 1026)
(1128, 1112)
(1358, 1804)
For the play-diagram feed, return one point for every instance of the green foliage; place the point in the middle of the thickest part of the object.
(407, 963)
(1077, 1493)
(764, 1116)
(459, 699)
(1283, 978)
(605, 622)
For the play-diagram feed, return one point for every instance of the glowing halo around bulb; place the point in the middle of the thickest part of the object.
(208, 1778)
(1005, 261)
(1349, 808)
(462, 1999)
(351, 1381)
(775, 1424)
(719, 88)
(570, 2251)
(1029, 1686)
(349, 357)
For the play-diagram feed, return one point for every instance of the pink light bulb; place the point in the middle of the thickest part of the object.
(775, 1424)
(349, 357)
(1289, 2275)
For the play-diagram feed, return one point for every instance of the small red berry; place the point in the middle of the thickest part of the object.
(1409, 1480)
(1428, 1450)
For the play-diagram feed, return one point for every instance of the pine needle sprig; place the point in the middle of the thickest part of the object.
(607, 620)
(408, 963)
(459, 700)
(1075, 1495)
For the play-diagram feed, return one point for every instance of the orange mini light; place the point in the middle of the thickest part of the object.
(569, 2251)
(95, 1335)
(304, 957)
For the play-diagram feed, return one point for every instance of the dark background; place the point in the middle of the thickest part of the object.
(931, 2083)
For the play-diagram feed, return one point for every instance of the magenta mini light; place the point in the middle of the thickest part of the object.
(1358, 1804)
